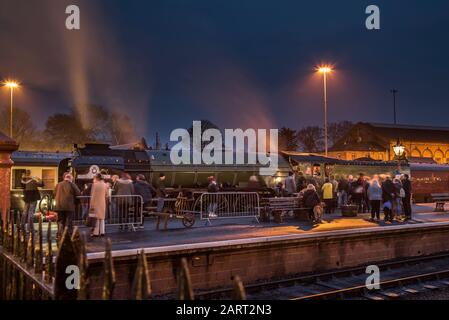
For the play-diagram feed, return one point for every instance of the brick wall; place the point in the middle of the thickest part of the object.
(213, 267)
(7, 146)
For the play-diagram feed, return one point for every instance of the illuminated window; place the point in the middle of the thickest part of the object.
(17, 175)
(353, 156)
(49, 178)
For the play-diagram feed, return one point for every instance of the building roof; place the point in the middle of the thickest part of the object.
(7, 143)
(39, 158)
(411, 132)
(366, 136)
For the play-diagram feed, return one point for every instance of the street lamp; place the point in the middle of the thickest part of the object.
(399, 154)
(399, 151)
(324, 70)
(394, 91)
(11, 85)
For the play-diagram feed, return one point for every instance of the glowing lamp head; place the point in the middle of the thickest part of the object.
(11, 84)
(324, 69)
(399, 150)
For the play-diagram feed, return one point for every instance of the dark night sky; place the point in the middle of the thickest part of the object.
(236, 63)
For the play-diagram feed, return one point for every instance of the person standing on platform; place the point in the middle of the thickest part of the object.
(343, 192)
(213, 203)
(31, 195)
(334, 192)
(351, 188)
(99, 194)
(290, 184)
(160, 192)
(388, 195)
(328, 196)
(145, 190)
(399, 194)
(359, 191)
(301, 183)
(375, 198)
(407, 200)
(66, 194)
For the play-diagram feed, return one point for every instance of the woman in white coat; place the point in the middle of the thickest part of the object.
(99, 194)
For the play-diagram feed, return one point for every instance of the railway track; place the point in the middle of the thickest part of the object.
(398, 279)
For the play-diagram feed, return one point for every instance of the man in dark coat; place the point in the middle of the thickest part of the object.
(407, 200)
(31, 195)
(66, 194)
(301, 183)
(388, 195)
(343, 192)
(310, 200)
(145, 190)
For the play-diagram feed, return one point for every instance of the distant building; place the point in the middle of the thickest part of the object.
(376, 141)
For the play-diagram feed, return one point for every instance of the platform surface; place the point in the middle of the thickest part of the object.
(244, 229)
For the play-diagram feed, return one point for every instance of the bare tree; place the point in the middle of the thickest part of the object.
(24, 129)
(121, 128)
(311, 138)
(288, 139)
(337, 130)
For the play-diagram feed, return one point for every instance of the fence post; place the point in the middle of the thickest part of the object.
(30, 245)
(79, 245)
(141, 288)
(49, 269)
(109, 272)
(65, 258)
(1, 229)
(39, 251)
(185, 291)
(239, 289)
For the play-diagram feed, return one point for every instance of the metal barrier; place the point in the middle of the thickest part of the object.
(120, 211)
(224, 205)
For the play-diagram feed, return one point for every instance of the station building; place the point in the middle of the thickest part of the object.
(376, 141)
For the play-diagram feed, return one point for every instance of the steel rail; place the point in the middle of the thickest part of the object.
(390, 283)
(311, 278)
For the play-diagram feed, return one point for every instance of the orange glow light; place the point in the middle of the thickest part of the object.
(11, 84)
(324, 69)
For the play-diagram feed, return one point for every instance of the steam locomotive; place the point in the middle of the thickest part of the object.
(87, 161)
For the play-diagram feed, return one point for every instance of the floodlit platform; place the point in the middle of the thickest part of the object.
(246, 231)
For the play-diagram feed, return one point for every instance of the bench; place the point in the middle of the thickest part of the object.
(278, 206)
(440, 199)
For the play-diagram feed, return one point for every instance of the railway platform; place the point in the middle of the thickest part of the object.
(246, 228)
(261, 252)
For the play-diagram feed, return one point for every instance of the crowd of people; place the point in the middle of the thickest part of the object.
(377, 194)
(95, 199)
(380, 193)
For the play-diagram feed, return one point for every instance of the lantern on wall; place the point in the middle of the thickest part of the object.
(399, 151)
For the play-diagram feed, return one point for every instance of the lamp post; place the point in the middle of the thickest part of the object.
(11, 85)
(394, 91)
(399, 153)
(324, 70)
